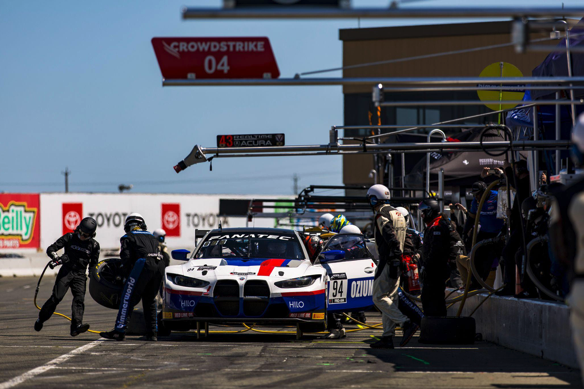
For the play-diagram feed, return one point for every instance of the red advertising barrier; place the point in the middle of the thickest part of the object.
(171, 219)
(199, 58)
(72, 215)
(19, 221)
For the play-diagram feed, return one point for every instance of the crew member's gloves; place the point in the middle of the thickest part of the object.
(55, 262)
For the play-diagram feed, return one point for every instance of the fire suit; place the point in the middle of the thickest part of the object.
(567, 241)
(140, 252)
(390, 235)
(441, 247)
(78, 255)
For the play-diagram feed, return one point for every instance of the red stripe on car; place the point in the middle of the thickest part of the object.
(290, 294)
(267, 266)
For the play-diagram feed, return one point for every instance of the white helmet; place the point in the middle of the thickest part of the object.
(404, 212)
(577, 150)
(134, 220)
(325, 220)
(159, 234)
(378, 194)
(350, 229)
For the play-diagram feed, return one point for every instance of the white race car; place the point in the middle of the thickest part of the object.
(264, 275)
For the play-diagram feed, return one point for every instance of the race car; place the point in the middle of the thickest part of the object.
(264, 275)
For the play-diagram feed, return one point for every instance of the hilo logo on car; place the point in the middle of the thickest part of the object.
(187, 303)
(17, 221)
(296, 304)
(362, 288)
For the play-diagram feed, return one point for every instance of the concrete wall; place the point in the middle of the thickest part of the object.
(536, 327)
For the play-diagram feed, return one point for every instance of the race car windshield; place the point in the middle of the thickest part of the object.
(247, 246)
(353, 245)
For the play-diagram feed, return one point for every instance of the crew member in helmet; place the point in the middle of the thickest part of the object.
(338, 223)
(160, 234)
(442, 245)
(140, 252)
(567, 238)
(81, 250)
(325, 220)
(390, 235)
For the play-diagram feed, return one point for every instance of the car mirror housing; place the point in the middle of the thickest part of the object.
(180, 255)
(332, 255)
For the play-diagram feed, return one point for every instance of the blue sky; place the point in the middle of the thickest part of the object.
(80, 88)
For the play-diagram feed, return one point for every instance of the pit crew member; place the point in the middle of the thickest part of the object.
(140, 252)
(81, 250)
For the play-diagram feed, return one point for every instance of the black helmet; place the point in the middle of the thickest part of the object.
(430, 209)
(134, 220)
(478, 188)
(88, 226)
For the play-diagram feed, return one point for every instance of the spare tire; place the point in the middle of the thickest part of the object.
(447, 330)
(105, 284)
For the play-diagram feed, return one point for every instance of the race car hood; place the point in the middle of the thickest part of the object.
(219, 267)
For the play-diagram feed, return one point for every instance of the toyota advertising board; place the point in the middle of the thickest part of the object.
(19, 221)
(178, 215)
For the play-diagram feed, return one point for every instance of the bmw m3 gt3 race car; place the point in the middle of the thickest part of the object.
(264, 275)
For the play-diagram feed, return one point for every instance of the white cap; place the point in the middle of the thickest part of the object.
(350, 229)
(325, 220)
(403, 211)
(159, 232)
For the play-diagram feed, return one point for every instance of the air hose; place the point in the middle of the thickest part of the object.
(36, 292)
(246, 327)
(531, 274)
(474, 240)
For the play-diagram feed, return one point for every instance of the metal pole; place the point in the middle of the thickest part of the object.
(535, 154)
(390, 182)
(428, 157)
(558, 127)
(424, 81)
(569, 58)
(474, 102)
(388, 12)
(441, 188)
(403, 173)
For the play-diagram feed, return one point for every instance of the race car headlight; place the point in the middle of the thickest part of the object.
(186, 281)
(299, 282)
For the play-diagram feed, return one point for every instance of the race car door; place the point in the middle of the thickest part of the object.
(351, 272)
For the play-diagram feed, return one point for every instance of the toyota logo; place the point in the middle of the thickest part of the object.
(72, 220)
(170, 220)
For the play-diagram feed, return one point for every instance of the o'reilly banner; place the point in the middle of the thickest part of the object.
(19, 221)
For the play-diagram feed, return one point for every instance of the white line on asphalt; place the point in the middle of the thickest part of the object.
(222, 370)
(9, 290)
(26, 287)
(39, 346)
(47, 366)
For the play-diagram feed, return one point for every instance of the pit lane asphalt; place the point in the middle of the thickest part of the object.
(53, 359)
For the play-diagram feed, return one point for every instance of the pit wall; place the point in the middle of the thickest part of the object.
(540, 328)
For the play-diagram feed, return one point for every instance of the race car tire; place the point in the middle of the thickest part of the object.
(312, 327)
(163, 330)
(104, 288)
(447, 330)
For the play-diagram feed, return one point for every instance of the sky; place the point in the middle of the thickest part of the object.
(80, 88)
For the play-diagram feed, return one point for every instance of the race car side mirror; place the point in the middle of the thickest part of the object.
(180, 255)
(332, 255)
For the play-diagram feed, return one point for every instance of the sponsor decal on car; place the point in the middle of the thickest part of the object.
(167, 315)
(181, 315)
(318, 316)
(361, 288)
(242, 274)
(338, 286)
(242, 236)
(301, 315)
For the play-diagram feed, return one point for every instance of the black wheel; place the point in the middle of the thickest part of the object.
(162, 329)
(447, 330)
(105, 285)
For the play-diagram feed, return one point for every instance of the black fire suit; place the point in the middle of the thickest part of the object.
(442, 245)
(141, 253)
(78, 254)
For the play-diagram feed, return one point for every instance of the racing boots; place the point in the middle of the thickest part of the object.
(386, 342)
(38, 325)
(336, 333)
(119, 336)
(81, 328)
(409, 328)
